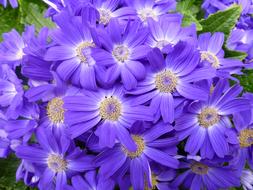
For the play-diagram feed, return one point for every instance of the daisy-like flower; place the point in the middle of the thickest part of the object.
(161, 35)
(107, 109)
(119, 160)
(171, 78)
(247, 179)
(11, 49)
(52, 111)
(91, 180)
(14, 3)
(205, 174)
(123, 48)
(74, 41)
(151, 9)
(34, 66)
(11, 92)
(207, 122)
(57, 159)
(212, 54)
(110, 9)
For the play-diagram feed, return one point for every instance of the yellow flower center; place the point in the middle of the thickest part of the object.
(246, 138)
(199, 168)
(140, 147)
(211, 58)
(55, 110)
(208, 117)
(153, 181)
(80, 48)
(166, 81)
(121, 53)
(110, 109)
(56, 163)
(105, 16)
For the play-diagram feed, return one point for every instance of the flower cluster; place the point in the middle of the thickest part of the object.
(119, 94)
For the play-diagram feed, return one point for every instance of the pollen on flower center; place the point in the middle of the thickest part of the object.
(110, 109)
(211, 58)
(121, 53)
(166, 81)
(146, 13)
(208, 117)
(80, 48)
(56, 163)
(199, 168)
(105, 16)
(140, 147)
(246, 138)
(153, 181)
(55, 110)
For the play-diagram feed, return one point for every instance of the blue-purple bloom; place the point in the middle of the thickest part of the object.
(14, 3)
(119, 160)
(56, 159)
(123, 49)
(109, 110)
(206, 174)
(207, 122)
(171, 78)
(212, 54)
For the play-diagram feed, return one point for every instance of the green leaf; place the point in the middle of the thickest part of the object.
(189, 10)
(32, 14)
(8, 173)
(222, 21)
(246, 80)
(235, 54)
(189, 19)
(9, 19)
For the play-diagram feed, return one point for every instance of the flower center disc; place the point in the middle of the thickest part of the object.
(211, 58)
(246, 138)
(161, 44)
(147, 13)
(199, 168)
(55, 110)
(121, 53)
(140, 147)
(166, 81)
(105, 16)
(110, 109)
(208, 117)
(56, 163)
(80, 50)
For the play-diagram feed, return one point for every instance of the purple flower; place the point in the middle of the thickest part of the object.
(241, 40)
(151, 9)
(109, 110)
(163, 37)
(247, 179)
(171, 78)
(110, 9)
(119, 160)
(11, 92)
(74, 41)
(11, 49)
(91, 180)
(52, 95)
(207, 122)
(205, 174)
(14, 3)
(123, 48)
(57, 159)
(212, 54)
